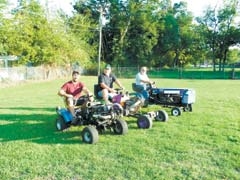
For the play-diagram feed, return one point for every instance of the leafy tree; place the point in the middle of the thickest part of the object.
(3, 29)
(36, 39)
(219, 29)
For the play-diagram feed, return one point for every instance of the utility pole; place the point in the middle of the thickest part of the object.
(100, 39)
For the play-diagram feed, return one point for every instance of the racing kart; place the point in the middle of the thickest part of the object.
(97, 118)
(130, 106)
(177, 98)
(132, 103)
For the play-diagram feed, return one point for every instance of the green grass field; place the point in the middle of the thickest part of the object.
(203, 144)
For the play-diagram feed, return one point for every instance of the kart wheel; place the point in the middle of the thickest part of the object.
(90, 135)
(188, 108)
(120, 127)
(161, 115)
(176, 111)
(144, 122)
(61, 124)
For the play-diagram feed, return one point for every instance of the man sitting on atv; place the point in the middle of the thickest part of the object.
(72, 92)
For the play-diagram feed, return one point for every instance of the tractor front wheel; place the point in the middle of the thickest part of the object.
(176, 111)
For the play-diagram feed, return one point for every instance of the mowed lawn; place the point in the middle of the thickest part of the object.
(203, 144)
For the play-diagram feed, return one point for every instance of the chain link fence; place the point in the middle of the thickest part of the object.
(17, 74)
(179, 73)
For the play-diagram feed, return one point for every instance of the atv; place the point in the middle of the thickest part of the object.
(97, 118)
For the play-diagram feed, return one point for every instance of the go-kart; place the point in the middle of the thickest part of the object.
(97, 118)
(132, 103)
(176, 98)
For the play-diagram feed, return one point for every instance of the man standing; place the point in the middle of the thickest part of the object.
(72, 91)
(105, 83)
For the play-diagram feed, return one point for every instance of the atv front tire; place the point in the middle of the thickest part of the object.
(90, 135)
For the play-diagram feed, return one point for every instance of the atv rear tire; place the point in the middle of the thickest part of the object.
(120, 127)
(61, 124)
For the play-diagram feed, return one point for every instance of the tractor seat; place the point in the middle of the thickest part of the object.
(137, 88)
(96, 90)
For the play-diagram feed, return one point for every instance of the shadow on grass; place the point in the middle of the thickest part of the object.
(35, 127)
(28, 109)
(38, 127)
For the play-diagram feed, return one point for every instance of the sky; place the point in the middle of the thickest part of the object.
(195, 6)
(198, 6)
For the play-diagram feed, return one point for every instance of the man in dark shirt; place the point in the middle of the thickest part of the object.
(105, 83)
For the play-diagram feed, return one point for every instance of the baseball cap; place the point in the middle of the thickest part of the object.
(108, 66)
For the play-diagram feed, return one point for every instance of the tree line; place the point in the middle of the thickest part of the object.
(155, 33)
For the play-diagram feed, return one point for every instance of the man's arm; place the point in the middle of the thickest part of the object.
(119, 84)
(62, 93)
(146, 80)
(86, 91)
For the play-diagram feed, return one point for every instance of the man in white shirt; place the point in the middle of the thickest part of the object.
(142, 84)
(142, 78)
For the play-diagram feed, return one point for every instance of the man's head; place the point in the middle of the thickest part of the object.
(75, 72)
(107, 69)
(75, 76)
(143, 69)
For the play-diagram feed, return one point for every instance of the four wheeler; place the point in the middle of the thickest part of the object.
(131, 105)
(176, 98)
(97, 118)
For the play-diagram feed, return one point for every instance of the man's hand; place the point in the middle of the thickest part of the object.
(112, 90)
(122, 87)
(68, 95)
(90, 97)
